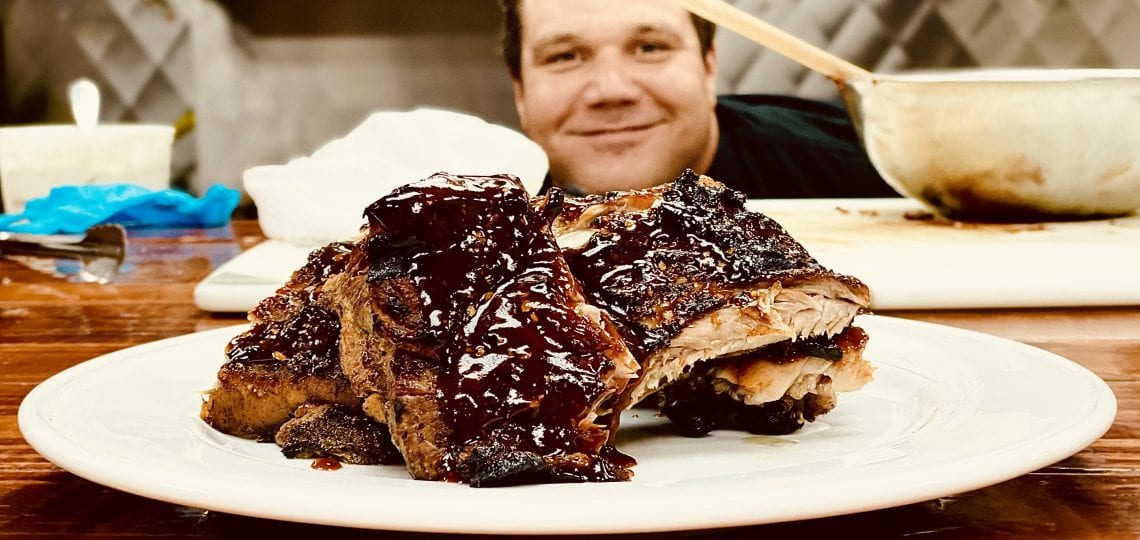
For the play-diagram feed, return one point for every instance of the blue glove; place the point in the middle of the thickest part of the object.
(74, 209)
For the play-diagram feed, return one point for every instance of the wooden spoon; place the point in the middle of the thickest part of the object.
(796, 49)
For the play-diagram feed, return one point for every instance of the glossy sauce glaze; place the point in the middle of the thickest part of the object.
(695, 251)
(291, 327)
(469, 282)
(326, 464)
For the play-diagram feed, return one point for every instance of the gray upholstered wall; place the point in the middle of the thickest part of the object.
(895, 35)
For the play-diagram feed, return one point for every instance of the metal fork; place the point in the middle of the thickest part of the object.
(100, 250)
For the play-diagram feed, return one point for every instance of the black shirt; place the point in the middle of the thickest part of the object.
(779, 147)
(787, 147)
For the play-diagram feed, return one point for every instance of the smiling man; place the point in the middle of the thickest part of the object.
(622, 95)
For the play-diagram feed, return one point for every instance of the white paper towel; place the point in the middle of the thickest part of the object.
(319, 199)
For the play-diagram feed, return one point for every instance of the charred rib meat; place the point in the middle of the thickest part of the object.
(336, 431)
(770, 391)
(288, 357)
(689, 275)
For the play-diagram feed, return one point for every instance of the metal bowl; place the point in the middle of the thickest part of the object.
(1006, 145)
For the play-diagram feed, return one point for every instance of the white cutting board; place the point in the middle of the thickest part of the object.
(242, 282)
(937, 263)
(908, 263)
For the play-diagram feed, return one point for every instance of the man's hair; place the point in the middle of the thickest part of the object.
(512, 36)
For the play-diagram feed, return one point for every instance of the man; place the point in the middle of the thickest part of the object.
(622, 95)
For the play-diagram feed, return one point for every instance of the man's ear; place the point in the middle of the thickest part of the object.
(520, 102)
(710, 72)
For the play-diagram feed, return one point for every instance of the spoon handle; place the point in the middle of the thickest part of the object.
(85, 102)
(796, 49)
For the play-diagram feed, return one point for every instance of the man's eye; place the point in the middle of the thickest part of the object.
(652, 47)
(556, 58)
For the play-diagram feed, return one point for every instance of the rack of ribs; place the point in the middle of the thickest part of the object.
(469, 338)
(484, 336)
(690, 276)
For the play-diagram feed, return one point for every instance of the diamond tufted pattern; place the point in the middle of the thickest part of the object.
(896, 35)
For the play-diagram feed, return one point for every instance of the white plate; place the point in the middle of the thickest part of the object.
(949, 411)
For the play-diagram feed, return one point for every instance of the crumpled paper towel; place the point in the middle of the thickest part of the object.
(74, 209)
(320, 199)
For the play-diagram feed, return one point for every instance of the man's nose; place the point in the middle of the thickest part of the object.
(612, 82)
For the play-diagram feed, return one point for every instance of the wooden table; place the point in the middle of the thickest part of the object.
(48, 323)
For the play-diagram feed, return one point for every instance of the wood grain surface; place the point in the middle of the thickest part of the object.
(48, 322)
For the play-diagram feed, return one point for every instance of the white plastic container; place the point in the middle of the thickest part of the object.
(34, 159)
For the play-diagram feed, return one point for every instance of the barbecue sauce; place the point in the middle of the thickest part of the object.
(292, 327)
(326, 464)
(469, 283)
(660, 269)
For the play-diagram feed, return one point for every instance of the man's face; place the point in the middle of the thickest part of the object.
(616, 91)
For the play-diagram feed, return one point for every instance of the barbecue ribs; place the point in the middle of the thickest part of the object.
(689, 275)
(468, 336)
(485, 336)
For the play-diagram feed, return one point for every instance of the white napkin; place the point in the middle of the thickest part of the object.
(320, 199)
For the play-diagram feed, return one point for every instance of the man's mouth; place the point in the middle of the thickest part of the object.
(617, 138)
(618, 130)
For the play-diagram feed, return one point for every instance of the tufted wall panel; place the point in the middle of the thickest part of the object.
(893, 35)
